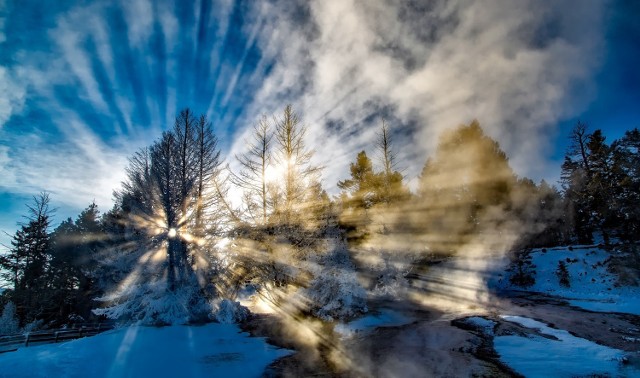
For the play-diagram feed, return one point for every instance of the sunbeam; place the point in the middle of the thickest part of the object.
(305, 188)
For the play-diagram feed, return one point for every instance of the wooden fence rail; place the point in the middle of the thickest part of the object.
(11, 343)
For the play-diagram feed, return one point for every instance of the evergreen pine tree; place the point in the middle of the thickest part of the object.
(27, 263)
(626, 167)
(563, 274)
(361, 186)
(521, 268)
(464, 188)
(390, 183)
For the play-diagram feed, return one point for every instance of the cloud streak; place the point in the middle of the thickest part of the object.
(100, 80)
(93, 82)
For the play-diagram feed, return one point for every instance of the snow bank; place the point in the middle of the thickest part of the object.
(384, 318)
(563, 355)
(179, 351)
(482, 324)
(228, 312)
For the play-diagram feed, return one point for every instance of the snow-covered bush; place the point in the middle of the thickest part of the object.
(390, 270)
(334, 291)
(336, 294)
(75, 318)
(625, 265)
(33, 326)
(227, 311)
(8, 320)
(153, 304)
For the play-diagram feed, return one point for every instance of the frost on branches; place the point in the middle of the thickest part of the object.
(334, 292)
(8, 320)
(226, 311)
(150, 302)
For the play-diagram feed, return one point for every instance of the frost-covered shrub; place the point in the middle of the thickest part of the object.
(625, 265)
(390, 271)
(390, 284)
(33, 326)
(8, 320)
(152, 304)
(227, 311)
(75, 318)
(336, 294)
(334, 291)
(386, 268)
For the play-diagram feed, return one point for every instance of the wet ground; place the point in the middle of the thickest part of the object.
(436, 342)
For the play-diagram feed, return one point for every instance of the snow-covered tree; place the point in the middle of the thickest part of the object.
(626, 165)
(9, 321)
(171, 210)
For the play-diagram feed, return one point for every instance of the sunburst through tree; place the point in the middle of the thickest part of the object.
(171, 211)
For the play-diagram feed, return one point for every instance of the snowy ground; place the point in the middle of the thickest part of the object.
(382, 318)
(418, 337)
(578, 343)
(592, 286)
(486, 326)
(560, 354)
(180, 351)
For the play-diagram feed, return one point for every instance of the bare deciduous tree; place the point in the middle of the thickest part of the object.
(253, 174)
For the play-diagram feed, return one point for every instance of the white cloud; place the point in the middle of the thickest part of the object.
(75, 171)
(3, 36)
(5, 172)
(78, 166)
(512, 65)
(13, 94)
(3, 20)
(139, 18)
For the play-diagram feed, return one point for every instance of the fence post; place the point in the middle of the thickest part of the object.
(26, 341)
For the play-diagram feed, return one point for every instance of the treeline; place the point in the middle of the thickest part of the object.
(52, 276)
(175, 248)
(601, 185)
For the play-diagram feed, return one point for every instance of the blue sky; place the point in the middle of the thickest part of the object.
(83, 84)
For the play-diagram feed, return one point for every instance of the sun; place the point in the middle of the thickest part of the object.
(274, 173)
(172, 233)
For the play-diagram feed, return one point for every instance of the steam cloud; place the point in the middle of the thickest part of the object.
(519, 68)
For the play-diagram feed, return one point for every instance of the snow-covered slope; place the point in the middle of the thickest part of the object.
(213, 350)
(592, 286)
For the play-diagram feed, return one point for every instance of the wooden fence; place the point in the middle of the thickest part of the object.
(11, 343)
